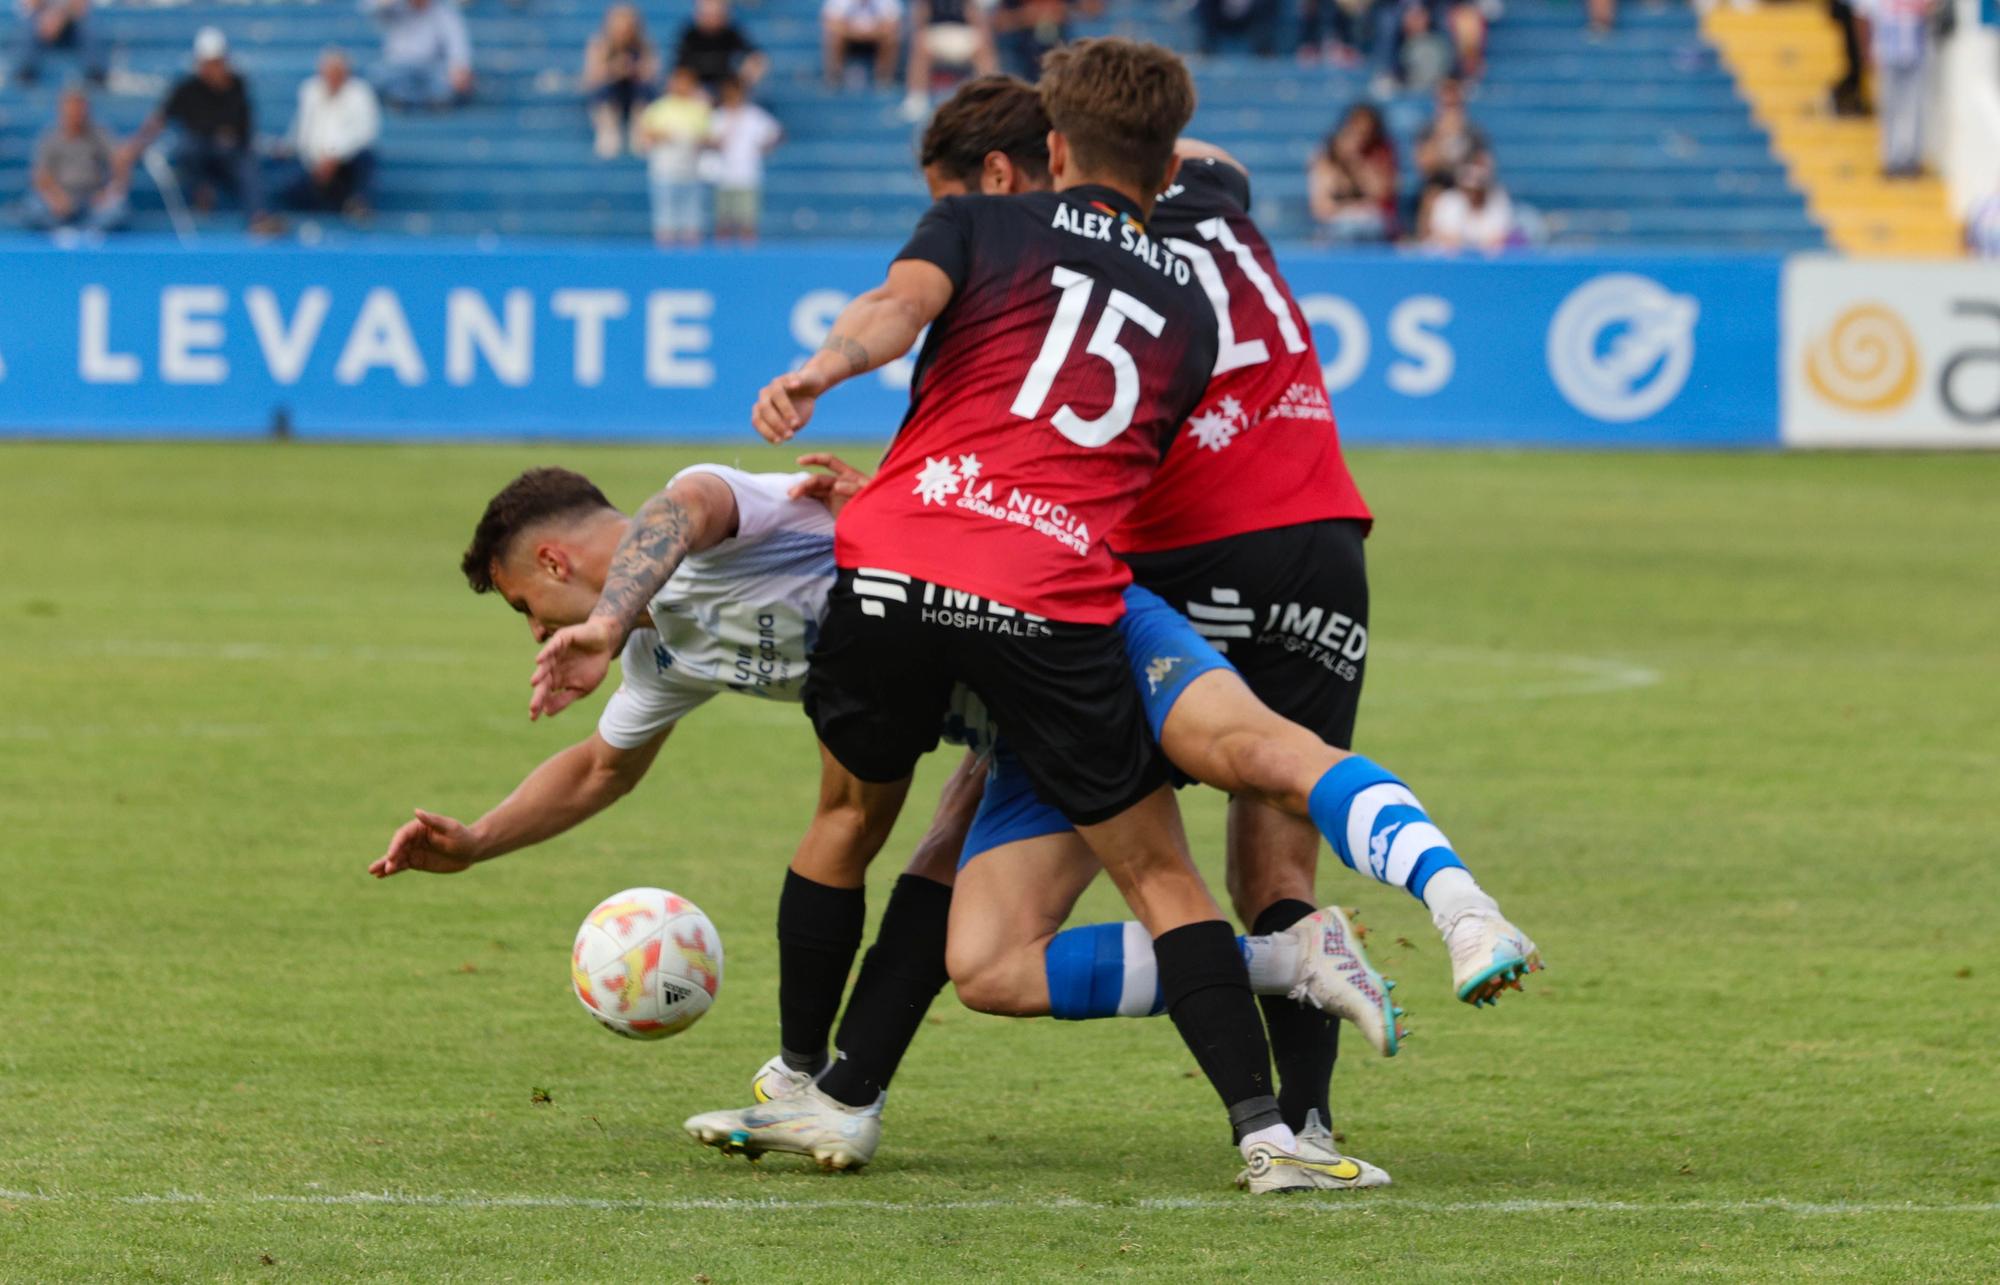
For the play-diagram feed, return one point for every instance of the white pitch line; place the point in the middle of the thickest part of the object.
(731, 1204)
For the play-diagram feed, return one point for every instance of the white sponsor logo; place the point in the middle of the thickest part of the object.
(1621, 346)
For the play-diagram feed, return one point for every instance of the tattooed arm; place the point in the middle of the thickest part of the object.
(872, 331)
(696, 513)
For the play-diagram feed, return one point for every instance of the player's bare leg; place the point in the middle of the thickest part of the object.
(1012, 901)
(1221, 734)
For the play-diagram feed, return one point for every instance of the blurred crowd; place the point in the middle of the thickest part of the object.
(1449, 200)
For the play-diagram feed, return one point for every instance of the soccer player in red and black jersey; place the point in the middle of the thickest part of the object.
(1066, 347)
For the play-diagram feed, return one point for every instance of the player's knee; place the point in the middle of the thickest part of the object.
(984, 983)
(1279, 762)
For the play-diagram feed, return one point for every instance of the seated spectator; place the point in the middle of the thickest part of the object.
(945, 33)
(1447, 142)
(869, 31)
(214, 143)
(1418, 43)
(334, 136)
(1255, 20)
(743, 134)
(1351, 183)
(56, 24)
(673, 133)
(1475, 214)
(79, 177)
(1328, 30)
(1024, 30)
(426, 53)
(714, 48)
(620, 69)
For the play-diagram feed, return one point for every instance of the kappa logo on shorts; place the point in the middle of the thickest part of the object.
(1157, 670)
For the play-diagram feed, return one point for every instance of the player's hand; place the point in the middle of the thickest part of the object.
(785, 405)
(571, 664)
(430, 842)
(834, 488)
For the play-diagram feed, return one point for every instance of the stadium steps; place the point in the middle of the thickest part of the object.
(1785, 57)
(1637, 141)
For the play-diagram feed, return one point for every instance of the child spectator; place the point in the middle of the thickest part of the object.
(56, 24)
(744, 135)
(714, 48)
(79, 178)
(620, 69)
(1447, 142)
(673, 132)
(1351, 183)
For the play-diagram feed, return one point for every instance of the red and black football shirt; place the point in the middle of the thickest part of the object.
(1262, 450)
(1074, 347)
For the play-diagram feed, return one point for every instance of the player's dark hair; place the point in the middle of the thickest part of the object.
(1120, 105)
(988, 114)
(538, 495)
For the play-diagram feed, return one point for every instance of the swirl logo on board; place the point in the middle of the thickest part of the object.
(1621, 345)
(1866, 361)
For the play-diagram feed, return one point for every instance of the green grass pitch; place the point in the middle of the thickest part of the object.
(1719, 730)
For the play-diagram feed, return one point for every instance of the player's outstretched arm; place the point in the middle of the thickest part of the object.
(569, 788)
(695, 513)
(872, 331)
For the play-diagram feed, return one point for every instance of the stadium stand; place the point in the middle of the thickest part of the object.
(1634, 141)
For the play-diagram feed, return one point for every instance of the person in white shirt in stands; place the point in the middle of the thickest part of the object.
(866, 29)
(334, 135)
(426, 53)
(1474, 215)
(743, 134)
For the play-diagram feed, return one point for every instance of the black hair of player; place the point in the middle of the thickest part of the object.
(537, 496)
(988, 114)
(1120, 106)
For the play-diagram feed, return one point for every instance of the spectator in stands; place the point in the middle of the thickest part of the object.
(869, 31)
(744, 135)
(1256, 20)
(714, 48)
(1603, 15)
(79, 177)
(1327, 30)
(1982, 228)
(56, 24)
(334, 134)
(1351, 182)
(620, 70)
(945, 33)
(214, 144)
(1447, 142)
(1417, 43)
(673, 133)
(1024, 30)
(1475, 214)
(1900, 44)
(1849, 99)
(426, 53)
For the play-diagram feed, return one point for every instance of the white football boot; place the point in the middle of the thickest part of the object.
(1488, 954)
(1334, 976)
(775, 1080)
(1312, 1165)
(807, 1123)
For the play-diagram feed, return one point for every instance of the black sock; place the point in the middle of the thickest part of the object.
(900, 976)
(819, 929)
(1207, 990)
(1304, 1041)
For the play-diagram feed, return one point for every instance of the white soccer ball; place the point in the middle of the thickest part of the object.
(647, 963)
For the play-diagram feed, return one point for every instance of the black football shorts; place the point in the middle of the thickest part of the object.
(892, 647)
(1287, 606)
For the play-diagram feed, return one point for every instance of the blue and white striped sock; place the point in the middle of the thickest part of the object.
(1379, 829)
(1108, 970)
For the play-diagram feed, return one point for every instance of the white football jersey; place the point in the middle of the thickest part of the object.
(739, 617)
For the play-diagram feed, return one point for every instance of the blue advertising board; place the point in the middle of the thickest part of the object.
(596, 342)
